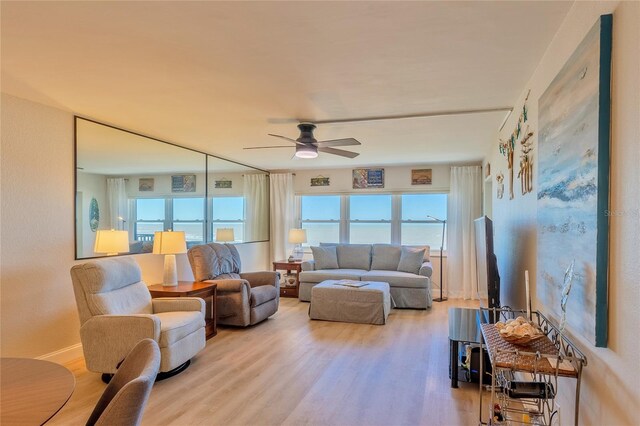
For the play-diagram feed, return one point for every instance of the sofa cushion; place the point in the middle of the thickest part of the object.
(325, 257)
(331, 274)
(397, 278)
(354, 256)
(262, 294)
(427, 251)
(410, 260)
(178, 325)
(385, 257)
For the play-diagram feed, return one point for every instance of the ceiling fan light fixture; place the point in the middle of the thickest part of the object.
(306, 151)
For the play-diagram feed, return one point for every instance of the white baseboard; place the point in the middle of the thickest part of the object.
(64, 355)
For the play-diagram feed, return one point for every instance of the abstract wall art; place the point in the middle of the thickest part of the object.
(573, 186)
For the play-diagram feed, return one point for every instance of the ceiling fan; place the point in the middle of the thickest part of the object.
(307, 146)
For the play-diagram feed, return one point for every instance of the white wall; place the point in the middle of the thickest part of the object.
(38, 312)
(609, 392)
(91, 185)
(397, 179)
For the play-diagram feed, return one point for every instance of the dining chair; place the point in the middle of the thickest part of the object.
(122, 402)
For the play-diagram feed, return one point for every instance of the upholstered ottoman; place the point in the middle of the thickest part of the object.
(369, 304)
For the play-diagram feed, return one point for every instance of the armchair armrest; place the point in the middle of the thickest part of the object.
(232, 285)
(175, 304)
(309, 265)
(257, 279)
(107, 339)
(426, 269)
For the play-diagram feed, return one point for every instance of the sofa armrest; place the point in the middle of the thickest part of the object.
(178, 304)
(231, 285)
(309, 265)
(426, 269)
(257, 279)
(107, 339)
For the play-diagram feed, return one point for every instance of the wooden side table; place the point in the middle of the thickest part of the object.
(203, 290)
(285, 265)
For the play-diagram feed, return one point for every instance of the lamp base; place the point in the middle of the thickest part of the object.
(440, 299)
(170, 271)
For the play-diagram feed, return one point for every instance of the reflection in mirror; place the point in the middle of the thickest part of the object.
(129, 182)
(238, 201)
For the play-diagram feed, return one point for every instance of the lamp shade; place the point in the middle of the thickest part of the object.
(224, 235)
(297, 236)
(111, 242)
(169, 242)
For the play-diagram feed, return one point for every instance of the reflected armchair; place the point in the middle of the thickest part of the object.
(243, 298)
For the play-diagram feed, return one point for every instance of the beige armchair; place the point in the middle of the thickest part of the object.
(116, 312)
(243, 298)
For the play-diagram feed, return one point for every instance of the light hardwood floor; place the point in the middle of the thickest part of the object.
(290, 370)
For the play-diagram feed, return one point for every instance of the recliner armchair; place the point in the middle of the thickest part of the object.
(242, 298)
(116, 312)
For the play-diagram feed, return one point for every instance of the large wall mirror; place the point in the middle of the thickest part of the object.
(130, 182)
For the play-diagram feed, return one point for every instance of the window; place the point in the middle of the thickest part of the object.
(188, 216)
(416, 227)
(228, 212)
(320, 216)
(370, 219)
(150, 215)
(374, 218)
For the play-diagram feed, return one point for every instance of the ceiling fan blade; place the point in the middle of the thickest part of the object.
(286, 138)
(340, 152)
(339, 142)
(267, 147)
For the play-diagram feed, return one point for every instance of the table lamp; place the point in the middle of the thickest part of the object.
(297, 237)
(224, 235)
(169, 243)
(111, 242)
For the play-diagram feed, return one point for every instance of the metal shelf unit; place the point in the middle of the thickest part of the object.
(542, 361)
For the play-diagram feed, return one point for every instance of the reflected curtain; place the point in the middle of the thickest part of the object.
(256, 207)
(117, 203)
(463, 207)
(282, 213)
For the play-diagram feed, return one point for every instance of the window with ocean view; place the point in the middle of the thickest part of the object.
(150, 216)
(228, 212)
(373, 218)
(320, 216)
(188, 216)
(370, 219)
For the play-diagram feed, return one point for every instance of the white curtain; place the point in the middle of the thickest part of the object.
(282, 214)
(256, 207)
(463, 207)
(117, 202)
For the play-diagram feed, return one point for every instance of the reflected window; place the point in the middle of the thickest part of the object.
(150, 217)
(228, 212)
(188, 216)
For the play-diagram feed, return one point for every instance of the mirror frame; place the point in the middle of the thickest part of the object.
(206, 183)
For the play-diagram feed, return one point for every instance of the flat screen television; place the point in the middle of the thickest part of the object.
(487, 265)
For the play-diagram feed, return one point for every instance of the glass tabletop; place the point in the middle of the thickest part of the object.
(463, 325)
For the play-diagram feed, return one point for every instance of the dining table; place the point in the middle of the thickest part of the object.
(32, 391)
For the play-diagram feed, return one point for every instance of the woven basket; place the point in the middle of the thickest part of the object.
(520, 340)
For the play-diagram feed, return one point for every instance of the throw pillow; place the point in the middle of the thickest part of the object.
(411, 260)
(325, 257)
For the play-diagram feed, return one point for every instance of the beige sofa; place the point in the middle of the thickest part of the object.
(374, 262)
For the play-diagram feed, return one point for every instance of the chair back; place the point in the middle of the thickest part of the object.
(214, 261)
(110, 286)
(123, 401)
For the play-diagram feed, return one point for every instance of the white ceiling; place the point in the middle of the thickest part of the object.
(219, 76)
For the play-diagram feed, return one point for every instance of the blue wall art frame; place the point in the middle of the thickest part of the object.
(573, 185)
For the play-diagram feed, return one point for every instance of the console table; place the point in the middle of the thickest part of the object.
(203, 290)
